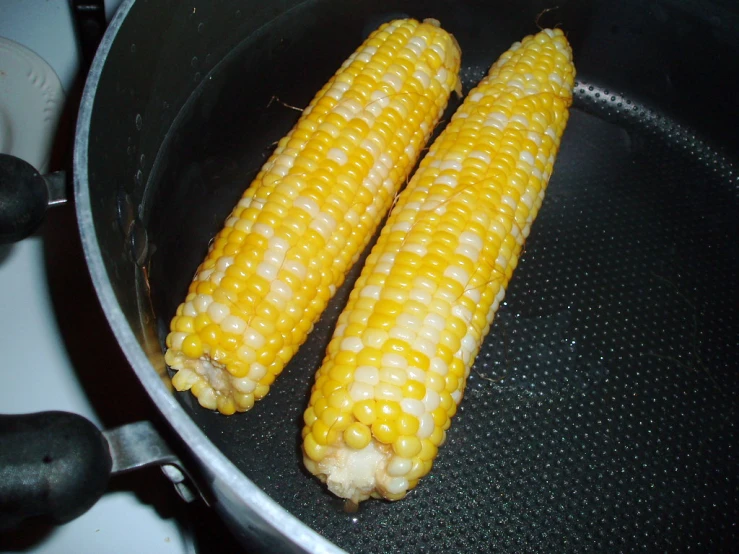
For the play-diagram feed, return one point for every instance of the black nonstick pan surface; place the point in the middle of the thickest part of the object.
(600, 415)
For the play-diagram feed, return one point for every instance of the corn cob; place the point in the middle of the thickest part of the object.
(396, 367)
(309, 213)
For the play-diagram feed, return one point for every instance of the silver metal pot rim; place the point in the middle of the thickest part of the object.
(226, 476)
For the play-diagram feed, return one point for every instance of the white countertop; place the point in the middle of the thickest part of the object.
(42, 281)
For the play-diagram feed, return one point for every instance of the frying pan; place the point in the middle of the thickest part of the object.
(600, 414)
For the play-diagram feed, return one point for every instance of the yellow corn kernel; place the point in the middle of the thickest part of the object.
(387, 410)
(365, 411)
(383, 431)
(407, 446)
(192, 347)
(414, 389)
(259, 393)
(427, 450)
(357, 436)
(313, 450)
(407, 424)
(322, 433)
(438, 435)
(291, 239)
(433, 282)
(309, 417)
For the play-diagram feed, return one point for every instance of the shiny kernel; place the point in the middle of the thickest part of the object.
(341, 373)
(393, 376)
(386, 391)
(414, 390)
(365, 411)
(448, 424)
(388, 307)
(238, 369)
(457, 369)
(226, 405)
(369, 356)
(437, 436)
(261, 391)
(313, 449)
(320, 405)
(374, 338)
(450, 341)
(201, 321)
(365, 303)
(340, 400)
(359, 316)
(399, 466)
(343, 421)
(407, 446)
(184, 324)
(419, 360)
(285, 324)
(407, 424)
(201, 389)
(192, 346)
(268, 379)
(259, 285)
(231, 284)
(440, 416)
(263, 326)
(346, 358)
(435, 382)
(428, 450)
(417, 470)
(456, 326)
(322, 433)
(205, 287)
(361, 391)
(387, 410)
(329, 387)
(244, 400)
(396, 346)
(330, 415)
(384, 432)
(211, 334)
(357, 436)
(230, 342)
(445, 400)
(309, 416)
(380, 321)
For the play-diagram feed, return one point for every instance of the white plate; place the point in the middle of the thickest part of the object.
(31, 102)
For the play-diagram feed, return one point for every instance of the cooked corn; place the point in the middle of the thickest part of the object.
(397, 364)
(309, 213)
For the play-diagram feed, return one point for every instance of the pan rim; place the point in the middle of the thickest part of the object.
(225, 476)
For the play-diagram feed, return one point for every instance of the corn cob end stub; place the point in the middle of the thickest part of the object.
(359, 474)
(396, 367)
(355, 475)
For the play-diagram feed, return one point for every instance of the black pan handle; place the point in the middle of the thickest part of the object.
(56, 465)
(24, 196)
(52, 464)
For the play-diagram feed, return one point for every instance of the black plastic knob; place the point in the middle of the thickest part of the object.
(24, 197)
(54, 465)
